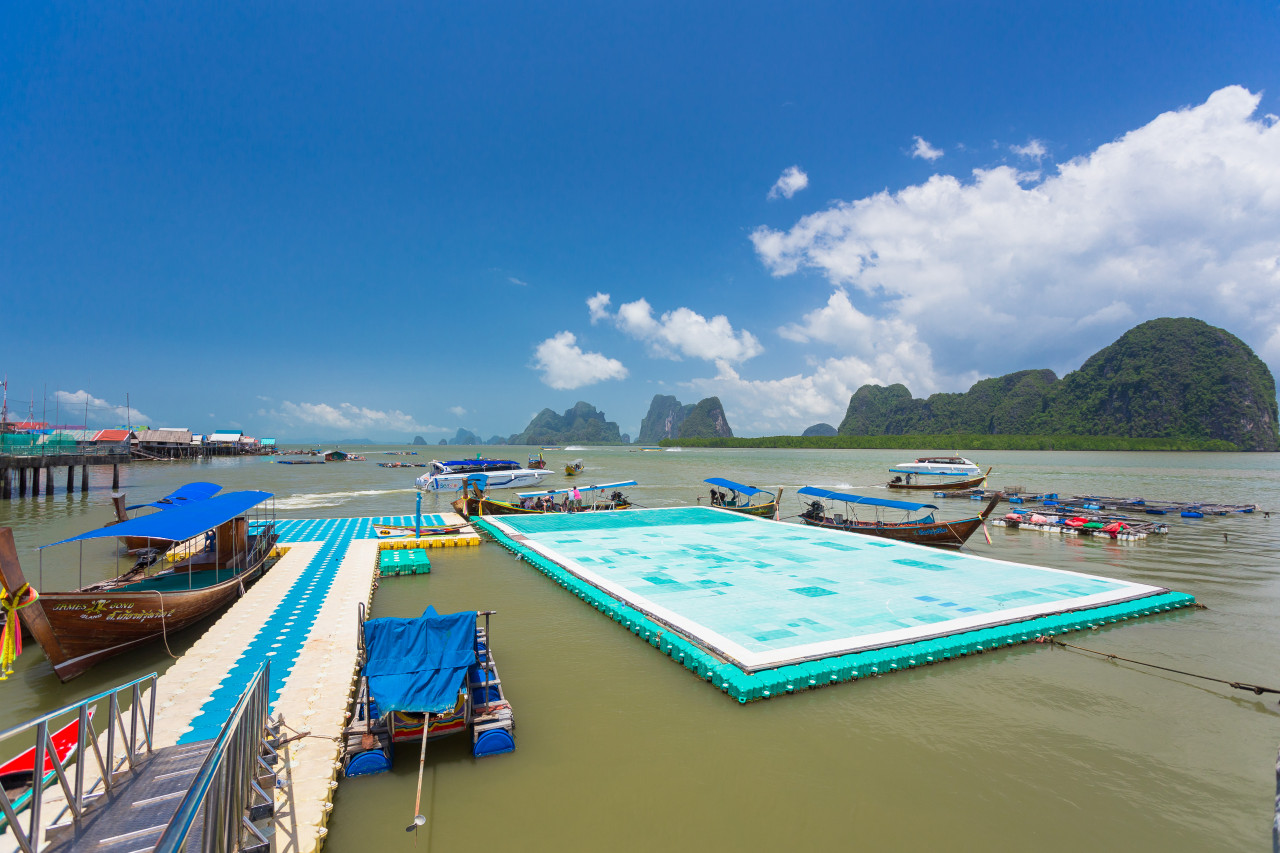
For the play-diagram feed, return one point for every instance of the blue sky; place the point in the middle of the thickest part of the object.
(323, 220)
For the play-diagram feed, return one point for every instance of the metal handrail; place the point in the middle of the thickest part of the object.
(222, 784)
(141, 720)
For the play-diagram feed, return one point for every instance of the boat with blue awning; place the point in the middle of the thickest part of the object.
(922, 530)
(535, 503)
(740, 497)
(153, 597)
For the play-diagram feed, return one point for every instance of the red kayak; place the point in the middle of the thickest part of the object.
(17, 774)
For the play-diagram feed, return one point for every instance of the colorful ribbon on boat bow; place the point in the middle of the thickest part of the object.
(11, 633)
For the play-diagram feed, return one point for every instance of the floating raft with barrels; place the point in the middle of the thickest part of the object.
(1121, 528)
(1187, 509)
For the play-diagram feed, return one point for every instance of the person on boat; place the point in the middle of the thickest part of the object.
(577, 498)
(715, 497)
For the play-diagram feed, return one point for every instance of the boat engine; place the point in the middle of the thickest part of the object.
(816, 511)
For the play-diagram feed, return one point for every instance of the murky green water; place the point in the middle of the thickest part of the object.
(620, 748)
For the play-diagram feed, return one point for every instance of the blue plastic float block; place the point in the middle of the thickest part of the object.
(493, 742)
(403, 561)
(368, 763)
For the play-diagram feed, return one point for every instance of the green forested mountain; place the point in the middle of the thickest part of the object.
(1167, 378)
(669, 418)
(582, 424)
(707, 420)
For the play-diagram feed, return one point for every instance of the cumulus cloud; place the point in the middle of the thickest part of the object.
(99, 410)
(682, 332)
(1005, 270)
(348, 417)
(792, 180)
(1034, 150)
(598, 305)
(565, 366)
(457, 411)
(925, 151)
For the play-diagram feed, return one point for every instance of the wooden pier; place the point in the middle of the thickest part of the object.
(302, 615)
(21, 475)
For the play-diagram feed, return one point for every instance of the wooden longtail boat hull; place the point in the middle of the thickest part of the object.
(472, 506)
(768, 510)
(971, 483)
(940, 534)
(79, 629)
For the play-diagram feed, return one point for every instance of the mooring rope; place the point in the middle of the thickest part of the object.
(164, 629)
(1257, 690)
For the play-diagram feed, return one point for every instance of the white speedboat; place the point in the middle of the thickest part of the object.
(517, 478)
(944, 466)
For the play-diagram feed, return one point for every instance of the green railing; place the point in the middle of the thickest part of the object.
(85, 450)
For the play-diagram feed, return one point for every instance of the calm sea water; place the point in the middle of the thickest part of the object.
(619, 748)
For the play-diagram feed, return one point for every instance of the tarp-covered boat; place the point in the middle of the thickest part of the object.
(550, 500)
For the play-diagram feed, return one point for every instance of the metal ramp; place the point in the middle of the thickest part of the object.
(123, 796)
(132, 816)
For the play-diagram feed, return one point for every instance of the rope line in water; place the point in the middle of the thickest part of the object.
(1238, 685)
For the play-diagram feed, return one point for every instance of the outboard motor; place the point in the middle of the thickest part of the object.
(816, 511)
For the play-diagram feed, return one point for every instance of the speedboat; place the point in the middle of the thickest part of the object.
(516, 478)
(948, 466)
(469, 466)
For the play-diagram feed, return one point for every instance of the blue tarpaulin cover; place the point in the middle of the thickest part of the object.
(737, 487)
(859, 499)
(183, 495)
(181, 522)
(419, 665)
(618, 485)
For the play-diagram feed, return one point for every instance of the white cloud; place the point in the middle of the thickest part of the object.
(1034, 149)
(925, 151)
(792, 180)
(99, 411)
(348, 417)
(565, 366)
(1004, 271)
(515, 280)
(598, 305)
(457, 411)
(682, 332)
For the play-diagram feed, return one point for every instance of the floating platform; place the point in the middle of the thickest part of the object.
(761, 608)
(403, 561)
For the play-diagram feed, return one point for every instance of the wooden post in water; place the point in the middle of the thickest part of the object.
(6, 484)
(84, 479)
(71, 478)
(48, 482)
(115, 476)
(35, 482)
(22, 482)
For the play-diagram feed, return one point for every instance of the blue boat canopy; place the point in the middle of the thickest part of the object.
(859, 499)
(419, 665)
(569, 490)
(737, 487)
(183, 495)
(181, 522)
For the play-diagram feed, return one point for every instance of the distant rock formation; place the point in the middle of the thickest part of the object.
(820, 429)
(466, 436)
(664, 419)
(707, 420)
(1166, 378)
(496, 439)
(669, 418)
(419, 440)
(582, 424)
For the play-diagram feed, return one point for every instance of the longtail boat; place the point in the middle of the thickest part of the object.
(154, 598)
(943, 486)
(573, 469)
(927, 530)
(182, 496)
(539, 503)
(18, 774)
(739, 499)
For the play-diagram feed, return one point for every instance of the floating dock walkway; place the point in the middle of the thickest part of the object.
(760, 608)
(302, 616)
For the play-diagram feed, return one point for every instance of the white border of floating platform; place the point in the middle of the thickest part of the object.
(752, 661)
